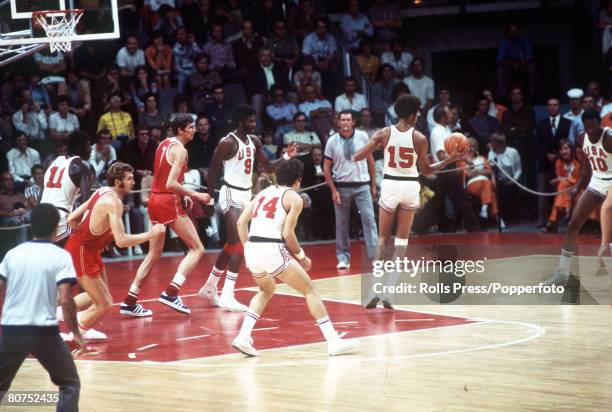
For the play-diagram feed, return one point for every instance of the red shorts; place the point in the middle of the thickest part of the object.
(86, 261)
(165, 208)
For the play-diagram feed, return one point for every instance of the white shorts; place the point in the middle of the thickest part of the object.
(63, 230)
(266, 258)
(235, 198)
(399, 193)
(599, 186)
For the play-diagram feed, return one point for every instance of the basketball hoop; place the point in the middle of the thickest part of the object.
(59, 25)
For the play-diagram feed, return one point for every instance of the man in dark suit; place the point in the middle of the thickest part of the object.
(261, 78)
(322, 209)
(549, 132)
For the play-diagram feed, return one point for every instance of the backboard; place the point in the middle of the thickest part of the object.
(19, 36)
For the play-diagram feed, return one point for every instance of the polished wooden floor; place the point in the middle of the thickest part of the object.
(431, 358)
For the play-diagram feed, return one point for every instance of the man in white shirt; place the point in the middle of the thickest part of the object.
(420, 85)
(400, 60)
(29, 291)
(62, 122)
(575, 102)
(21, 159)
(443, 100)
(509, 160)
(130, 57)
(103, 154)
(30, 120)
(439, 133)
(350, 99)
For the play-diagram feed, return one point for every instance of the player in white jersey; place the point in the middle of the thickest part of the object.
(66, 178)
(405, 155)
(595, 156)
(236, 153)
(273, 215)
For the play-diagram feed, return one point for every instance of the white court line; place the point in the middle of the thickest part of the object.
(416, 320)
(273, 327)
(192, 337)
(345, 323)
(148, 346)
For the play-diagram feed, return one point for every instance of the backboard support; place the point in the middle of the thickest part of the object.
(19, 37)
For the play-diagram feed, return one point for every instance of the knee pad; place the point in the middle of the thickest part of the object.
(401, 242)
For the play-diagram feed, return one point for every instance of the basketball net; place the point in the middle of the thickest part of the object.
(59, 25)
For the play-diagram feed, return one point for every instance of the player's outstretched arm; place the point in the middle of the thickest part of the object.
(221, 153)
(585, 169)
(379, 139)
(294, 203)
(243, 222)
(422, 147)
(114, 209)
(178, 155)
(272, 166)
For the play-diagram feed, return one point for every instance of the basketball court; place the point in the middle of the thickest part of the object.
(425, 357)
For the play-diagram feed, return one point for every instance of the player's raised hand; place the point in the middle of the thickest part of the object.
(292, 150)
(205, 198)
(158, 229)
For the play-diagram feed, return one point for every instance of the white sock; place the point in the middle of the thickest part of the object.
(230, 281)
(134, 290)
(250, 318)
(327, 328)
(215, 275)
(564, 261)
(178, 280)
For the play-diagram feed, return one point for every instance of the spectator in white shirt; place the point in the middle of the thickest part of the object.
(130, 57)
(575, 102)
(355, 26)
(62, 122)
(420, 85)
(439, 133)
(350, 99)
(103, 154)
(21, 159)
(508, 159)
(443, 100)
(400, 60)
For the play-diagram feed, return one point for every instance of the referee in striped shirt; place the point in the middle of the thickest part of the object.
(32, 277)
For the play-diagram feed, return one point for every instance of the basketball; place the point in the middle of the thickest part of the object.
(455, 140)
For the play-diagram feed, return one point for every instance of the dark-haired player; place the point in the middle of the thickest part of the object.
(596, 155)
(236, 153)
(66, 178)
(96, 223)
(268, 248)
(169, 204)
(405, 155)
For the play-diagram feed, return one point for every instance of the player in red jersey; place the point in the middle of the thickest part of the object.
(95, 223)
(236, 155)
(168, 205)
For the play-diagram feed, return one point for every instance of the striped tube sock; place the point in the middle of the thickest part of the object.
(175, 285)
(564, 262)
(327, 328)
(82, 328)
(230, 281)
(215, 275)
(132, 296)
(250, 318)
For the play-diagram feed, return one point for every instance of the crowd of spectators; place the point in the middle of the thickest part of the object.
(202, 57)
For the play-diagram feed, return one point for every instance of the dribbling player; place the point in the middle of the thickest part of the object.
(273, 215)
(96, 223)
(169, 204)
(596, 155)
(236, 153)
(405, 155)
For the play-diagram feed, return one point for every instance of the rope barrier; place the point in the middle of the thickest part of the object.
(14, 227)
(526, 189)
